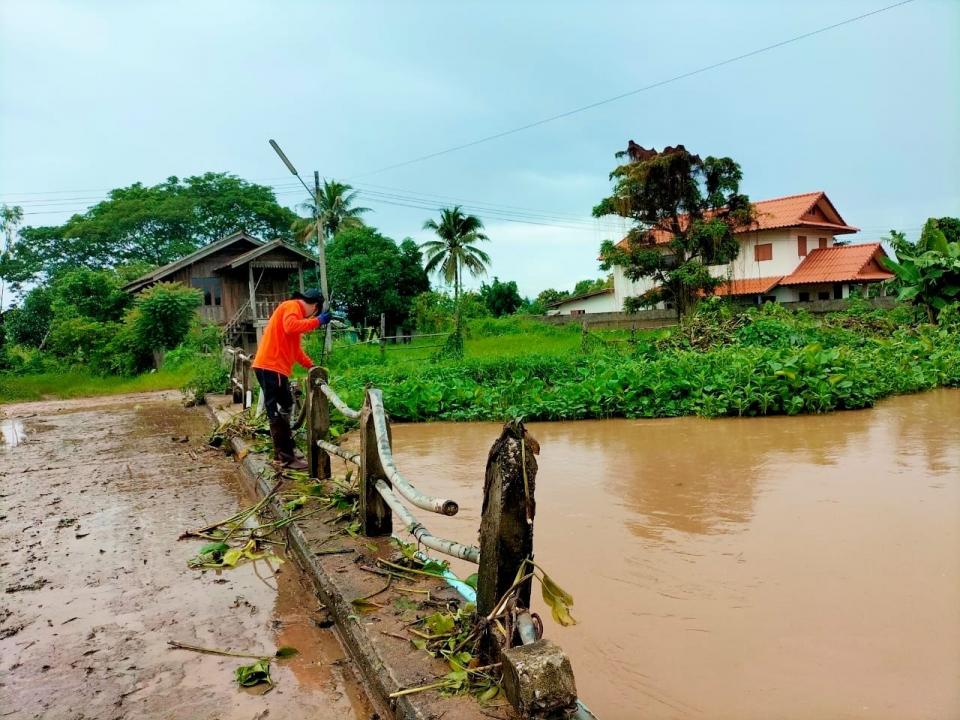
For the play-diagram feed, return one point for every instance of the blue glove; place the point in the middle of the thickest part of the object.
(324, 317)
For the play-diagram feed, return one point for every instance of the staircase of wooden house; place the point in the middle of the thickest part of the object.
(234, 331)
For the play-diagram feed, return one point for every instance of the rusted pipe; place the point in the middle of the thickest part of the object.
(402, 485)
(415, 528)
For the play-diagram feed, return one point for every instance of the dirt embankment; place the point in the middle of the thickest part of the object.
(93, 582)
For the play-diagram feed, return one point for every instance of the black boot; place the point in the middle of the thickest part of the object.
(284, 449)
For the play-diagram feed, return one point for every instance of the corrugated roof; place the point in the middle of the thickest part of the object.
(263, 249)
(581, 296)
(161, 272)
(847, 263)
(813, 210)
(751, 286)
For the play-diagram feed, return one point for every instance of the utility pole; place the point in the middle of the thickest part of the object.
(321, 251)
(328, 340)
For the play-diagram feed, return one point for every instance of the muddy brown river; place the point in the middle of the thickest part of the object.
(804, 567)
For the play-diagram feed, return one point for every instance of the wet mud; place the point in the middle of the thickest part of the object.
(93, 582)
(804, 567)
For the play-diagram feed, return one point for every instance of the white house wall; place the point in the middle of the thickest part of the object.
(594, 304)
(785, 257)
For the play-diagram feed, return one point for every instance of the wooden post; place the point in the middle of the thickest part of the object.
(300, 274)
(506, 525)
(318, 424)
(252, 287)
(383, 333)
(375, 514)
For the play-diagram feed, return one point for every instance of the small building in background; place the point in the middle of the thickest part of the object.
(242, 279)
(596, 301)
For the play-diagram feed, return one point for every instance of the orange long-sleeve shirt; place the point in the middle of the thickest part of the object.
(280, 346)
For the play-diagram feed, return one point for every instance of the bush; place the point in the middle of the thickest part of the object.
(163, 316)
(28, 324)
(210, 376)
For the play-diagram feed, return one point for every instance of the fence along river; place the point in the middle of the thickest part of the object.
(788, 567)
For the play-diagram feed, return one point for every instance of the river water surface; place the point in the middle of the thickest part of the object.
(804, 567)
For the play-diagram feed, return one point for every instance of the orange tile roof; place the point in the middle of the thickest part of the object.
(847, 263)
(783, 212)
(751, 286)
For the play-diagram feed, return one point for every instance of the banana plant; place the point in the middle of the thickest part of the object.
(928, 272)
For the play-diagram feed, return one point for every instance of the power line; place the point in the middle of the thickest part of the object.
(621, 96)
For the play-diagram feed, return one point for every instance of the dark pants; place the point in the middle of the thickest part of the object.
(277, 397)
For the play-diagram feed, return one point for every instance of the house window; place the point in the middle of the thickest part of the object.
(823, 243)
(838, 291)
(763, 252)
(802, 246)
(578, 312)
(823, 295)
(211, 290)
(804, 297)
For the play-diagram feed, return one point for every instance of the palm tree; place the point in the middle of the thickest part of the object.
(334, 205)
(455, 249)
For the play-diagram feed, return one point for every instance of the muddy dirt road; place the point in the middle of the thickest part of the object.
(93, 494)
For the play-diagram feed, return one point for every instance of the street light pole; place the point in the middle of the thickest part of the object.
(321, 240)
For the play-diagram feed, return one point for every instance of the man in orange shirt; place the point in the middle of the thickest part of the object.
(279, 350)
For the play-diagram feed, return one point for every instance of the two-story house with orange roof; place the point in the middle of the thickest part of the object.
(789, 254)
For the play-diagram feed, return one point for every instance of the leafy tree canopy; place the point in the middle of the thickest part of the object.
(149, 224)
(586, 286)
(370, 274)
(685, 211)
(501, 298)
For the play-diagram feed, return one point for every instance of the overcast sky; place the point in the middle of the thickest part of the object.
(100, 94)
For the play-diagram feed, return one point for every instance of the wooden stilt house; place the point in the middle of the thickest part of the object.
(242, 278)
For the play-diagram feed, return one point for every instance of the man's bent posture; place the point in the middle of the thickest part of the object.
(279, 350)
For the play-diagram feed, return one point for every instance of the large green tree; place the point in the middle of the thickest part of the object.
(153, 224)
(586, 286)
(371, 275)
(685, 211)
(501, 298)
(10, 219)
(456, 249)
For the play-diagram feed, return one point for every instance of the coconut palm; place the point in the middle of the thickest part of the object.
(334, 205)
(455, 249)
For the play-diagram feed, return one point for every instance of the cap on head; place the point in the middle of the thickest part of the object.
(312, 296)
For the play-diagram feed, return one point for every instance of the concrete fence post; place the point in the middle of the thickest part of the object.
(375, 514)
(318, 423)
(247, 371)
(537, 675)
(506, 525)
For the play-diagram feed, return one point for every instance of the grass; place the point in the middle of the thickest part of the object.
(79, 383)
(724, 361)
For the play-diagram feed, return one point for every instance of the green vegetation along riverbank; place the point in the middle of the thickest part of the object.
(762, 361)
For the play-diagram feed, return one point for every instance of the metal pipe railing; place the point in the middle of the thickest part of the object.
(417, 529)
(339, 452)
(338, 403)
(441, 506)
